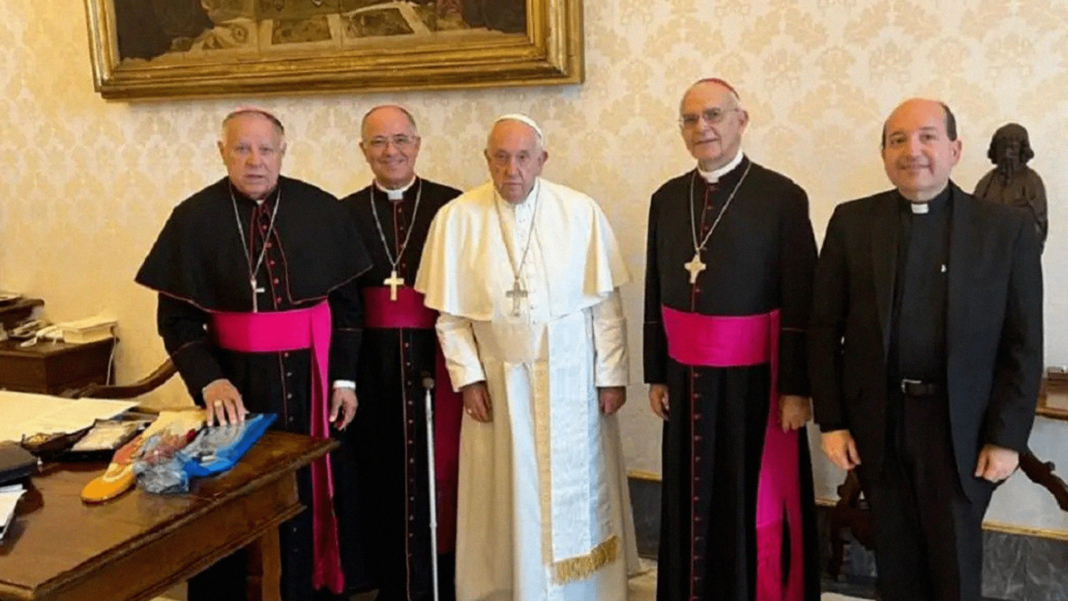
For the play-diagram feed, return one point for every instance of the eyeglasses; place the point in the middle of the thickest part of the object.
(502, 159)
(400, 141)
(713, 116)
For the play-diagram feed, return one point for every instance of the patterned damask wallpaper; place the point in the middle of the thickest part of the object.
(87, 184)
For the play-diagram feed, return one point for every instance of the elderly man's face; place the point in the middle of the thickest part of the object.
(514, 159)
(711, 123)
(918, 154)
(391, 146)
(252, 149)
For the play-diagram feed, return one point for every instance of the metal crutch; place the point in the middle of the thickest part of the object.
(428, 384)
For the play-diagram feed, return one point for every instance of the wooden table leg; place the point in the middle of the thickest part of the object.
(264, 568)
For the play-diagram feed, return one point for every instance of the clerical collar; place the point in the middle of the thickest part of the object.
(714, 175)
(395, 193)
(933, 206)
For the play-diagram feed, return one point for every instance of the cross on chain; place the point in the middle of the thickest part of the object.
(515, 294)
(393, 282)
(256, 291)
(695, 266)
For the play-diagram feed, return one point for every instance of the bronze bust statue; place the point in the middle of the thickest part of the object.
(1011, 181)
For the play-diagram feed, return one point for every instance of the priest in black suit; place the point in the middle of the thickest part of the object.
(398, 349)
(728, 290)
(259, 310)
(926, 355)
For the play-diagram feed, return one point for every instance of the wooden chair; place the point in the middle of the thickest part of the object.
(850, 514)
(143, 386)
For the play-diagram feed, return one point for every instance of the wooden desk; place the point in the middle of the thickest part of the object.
(53, 367)
(140, 545)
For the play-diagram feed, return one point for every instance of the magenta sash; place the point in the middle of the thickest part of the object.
(715, 341)
(281, 331)
(409, 312)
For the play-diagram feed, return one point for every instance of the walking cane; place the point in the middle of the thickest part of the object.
(428, 384)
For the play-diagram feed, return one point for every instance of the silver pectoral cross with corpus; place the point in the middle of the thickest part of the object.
(393, 282)
(516, 294)
(254, 268)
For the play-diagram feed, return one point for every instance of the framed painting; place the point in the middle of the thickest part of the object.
(144, 49)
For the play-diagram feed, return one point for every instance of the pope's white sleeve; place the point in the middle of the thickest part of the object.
(610, 342)
(460, 349)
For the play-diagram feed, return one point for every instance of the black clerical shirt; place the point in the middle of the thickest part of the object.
(918, 337)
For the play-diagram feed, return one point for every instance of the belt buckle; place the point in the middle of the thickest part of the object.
(905, 383)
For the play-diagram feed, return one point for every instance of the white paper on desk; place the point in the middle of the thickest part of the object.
(9, 498)
(25, 414)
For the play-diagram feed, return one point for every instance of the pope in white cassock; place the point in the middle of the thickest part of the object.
(526, 276)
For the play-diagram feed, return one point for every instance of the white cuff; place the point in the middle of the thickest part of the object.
(345, 384)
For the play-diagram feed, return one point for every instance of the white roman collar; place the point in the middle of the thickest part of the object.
(395, 193)
(713, 176)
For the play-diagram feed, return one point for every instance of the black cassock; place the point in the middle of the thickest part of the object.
(389, 432)
(759, 258)
(313, 253)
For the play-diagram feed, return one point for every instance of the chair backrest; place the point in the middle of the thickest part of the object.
(129, 391)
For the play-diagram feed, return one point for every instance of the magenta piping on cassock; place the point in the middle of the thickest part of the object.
(409, 312)
(298, 329)
(698, 340)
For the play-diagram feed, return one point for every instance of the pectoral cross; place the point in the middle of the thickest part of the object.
(515, 294)
(256, 291)
(393, 282)
(695, 266)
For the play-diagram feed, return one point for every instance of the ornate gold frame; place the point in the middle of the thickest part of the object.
(550, 53)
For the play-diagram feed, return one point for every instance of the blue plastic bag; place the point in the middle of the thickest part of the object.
(218, 448)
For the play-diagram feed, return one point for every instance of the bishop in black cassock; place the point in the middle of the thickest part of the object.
(257, 242)
(398, 351)
(730, 260)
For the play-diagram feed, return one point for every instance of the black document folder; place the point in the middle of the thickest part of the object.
(16, 463)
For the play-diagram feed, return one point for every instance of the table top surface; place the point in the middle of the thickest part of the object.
(56, 537)
(43, 348)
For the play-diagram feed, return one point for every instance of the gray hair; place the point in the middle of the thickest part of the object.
(249, 110)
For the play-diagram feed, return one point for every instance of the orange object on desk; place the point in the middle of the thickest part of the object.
(119, 476)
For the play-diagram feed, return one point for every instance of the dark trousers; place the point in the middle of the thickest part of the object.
(928, 534)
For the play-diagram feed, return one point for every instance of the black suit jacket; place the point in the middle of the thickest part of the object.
(993, 326)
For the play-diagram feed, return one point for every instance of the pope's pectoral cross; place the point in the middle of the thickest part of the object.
(695, 266)
(516, 293)
(393, 282)
(256, 292)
